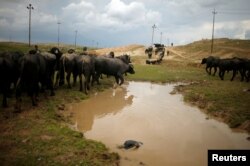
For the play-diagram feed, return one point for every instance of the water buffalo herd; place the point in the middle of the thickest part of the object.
(236, 65)
(34, 72)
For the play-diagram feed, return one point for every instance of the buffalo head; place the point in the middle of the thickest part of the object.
(131, 69)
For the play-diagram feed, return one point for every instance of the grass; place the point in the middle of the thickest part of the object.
(14, 46)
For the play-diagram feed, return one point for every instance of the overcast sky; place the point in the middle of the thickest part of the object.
(122, 22)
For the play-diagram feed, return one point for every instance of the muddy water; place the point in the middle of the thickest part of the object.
(173, 133)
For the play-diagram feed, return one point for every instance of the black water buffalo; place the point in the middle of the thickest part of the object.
(32, 71)
(9, 72)
(52, 59)
(85, 66)
(244, 68)
(211, 62)
(125, 58)
(67, 65)
(247, 70)
(231, 64)
(110, 55)
(112, 66)
(51, 65)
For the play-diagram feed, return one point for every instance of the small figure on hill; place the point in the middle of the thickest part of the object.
(35, 51)
(112, 54)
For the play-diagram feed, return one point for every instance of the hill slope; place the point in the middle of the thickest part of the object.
(224, 48)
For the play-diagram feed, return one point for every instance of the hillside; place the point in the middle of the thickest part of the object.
(133, 50)
(224, 48)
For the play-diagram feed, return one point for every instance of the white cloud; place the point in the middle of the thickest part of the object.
(233, 29)
(115, 15)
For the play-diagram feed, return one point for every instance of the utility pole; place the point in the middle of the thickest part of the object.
(212, 44)
(75, 37)
(30, 7)
(58, 33)
(154, 26)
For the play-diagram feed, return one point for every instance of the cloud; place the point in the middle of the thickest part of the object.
(247, 35)
(232, 29)
(116, 15)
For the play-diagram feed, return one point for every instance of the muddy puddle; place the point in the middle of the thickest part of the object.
(173, 133)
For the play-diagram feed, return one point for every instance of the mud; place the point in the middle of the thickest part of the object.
(172, 132)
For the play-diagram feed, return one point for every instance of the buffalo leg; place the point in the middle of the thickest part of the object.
(68, 79)
(248, 76)
(221, 74)
(117, 79)
(60, 77)
(80, 81)
(57, 80)
(215, 70)
(207, 70)
(4, 104)
(243, 74)
(234, 73)
(51, 86)
(18, 95)
(85, 86)
(121, 78)
(96, 78)
(74, 79)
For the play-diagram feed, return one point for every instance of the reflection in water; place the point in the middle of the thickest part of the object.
(100, 105)
(172, 132)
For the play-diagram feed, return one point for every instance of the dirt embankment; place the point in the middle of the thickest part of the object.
(132, 50)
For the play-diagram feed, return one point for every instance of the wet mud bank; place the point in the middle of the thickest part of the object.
(172, 132)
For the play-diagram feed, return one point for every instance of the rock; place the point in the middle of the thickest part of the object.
(132, 144)
(141, 163)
